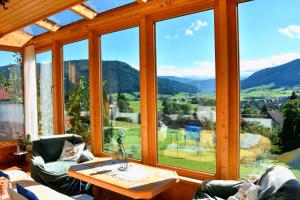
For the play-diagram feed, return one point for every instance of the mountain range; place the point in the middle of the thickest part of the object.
(121, 77)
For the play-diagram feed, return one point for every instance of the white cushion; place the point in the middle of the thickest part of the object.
(71, 152)
(247, 191)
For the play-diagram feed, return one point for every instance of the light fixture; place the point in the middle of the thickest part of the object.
(3, 2)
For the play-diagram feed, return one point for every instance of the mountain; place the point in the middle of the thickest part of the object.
(208, 85)
(121, 77)
(178, 79)
(124, 78)
(286, 75)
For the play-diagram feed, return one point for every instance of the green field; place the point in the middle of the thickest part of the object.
(175, 151)
(185, 157)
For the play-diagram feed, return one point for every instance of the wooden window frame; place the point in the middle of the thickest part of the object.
(227, 74)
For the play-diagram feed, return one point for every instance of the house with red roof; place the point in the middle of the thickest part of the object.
(4, 95)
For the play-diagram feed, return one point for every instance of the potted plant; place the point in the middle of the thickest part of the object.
(26, 143)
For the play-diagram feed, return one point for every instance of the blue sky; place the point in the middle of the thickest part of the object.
(269, 36)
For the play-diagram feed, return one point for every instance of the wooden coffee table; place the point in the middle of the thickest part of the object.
(138, 182)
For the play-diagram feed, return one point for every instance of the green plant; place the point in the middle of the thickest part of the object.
(124, 119)
(77, 107)
(13, 82)
(26, 141)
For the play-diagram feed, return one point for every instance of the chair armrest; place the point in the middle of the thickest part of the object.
(38, 161)
(218, 188)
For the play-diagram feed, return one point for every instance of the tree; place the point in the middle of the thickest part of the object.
(13, 81)
(290, 135)
(77, 107)
(123, 104)
(293, 96)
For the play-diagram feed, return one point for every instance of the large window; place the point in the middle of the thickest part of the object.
(11, 96)
(44, 93)
(270, 85)
(186, 94)
(76, 89)
(121, 90)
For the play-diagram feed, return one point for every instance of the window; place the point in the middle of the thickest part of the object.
(44, 93)
(121, 90)
(270, 85)
(104, 5)
(34, 30)
(65, 17)
(76, 89)
(186, 94)
(11, 96)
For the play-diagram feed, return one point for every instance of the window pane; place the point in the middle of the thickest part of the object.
(104, 5)
(121, 90)
(270, 85)
(186, 99)
(76, 89)
(34, 30)
(11, 96)
(44, 92)
(65, 17)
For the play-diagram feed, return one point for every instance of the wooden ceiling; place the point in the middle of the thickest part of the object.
(21, 13)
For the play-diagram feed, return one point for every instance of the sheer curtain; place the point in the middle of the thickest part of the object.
(30, 94)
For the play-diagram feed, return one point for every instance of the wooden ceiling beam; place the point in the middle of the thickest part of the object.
(15, 39)
(142, 1)
(84, 11)
(112, 20)
(22, 13)
(48, 25)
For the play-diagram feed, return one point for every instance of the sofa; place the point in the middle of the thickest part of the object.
(47, 169)
(41, 191)
(277, 183)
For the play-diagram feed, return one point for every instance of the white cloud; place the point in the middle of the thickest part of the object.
(195, 26)
(200, 69)
(292, 31)
(189, 32)
(206, 69)
(172, 37)
(248, 67)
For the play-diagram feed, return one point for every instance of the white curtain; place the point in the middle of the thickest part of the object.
(31, 119)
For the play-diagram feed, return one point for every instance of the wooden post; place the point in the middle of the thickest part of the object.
(148, 83)
(227, 81)
(95, 93)
(57, 79)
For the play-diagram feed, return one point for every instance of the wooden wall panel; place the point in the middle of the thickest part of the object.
(15, 39)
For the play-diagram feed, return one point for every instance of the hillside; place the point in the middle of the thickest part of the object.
(208, 85)
(286, 75)
(123, 78)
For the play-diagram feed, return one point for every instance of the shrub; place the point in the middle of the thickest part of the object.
(124, 119)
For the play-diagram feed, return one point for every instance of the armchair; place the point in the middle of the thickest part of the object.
(48, 170)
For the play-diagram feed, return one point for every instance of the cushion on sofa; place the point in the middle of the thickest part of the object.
(272, 180)
(71, 152)
(49, 148)
(15, 195)
(86, 155)
(59, 167)
(3, 174)
(41, 191)
(26, 193)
